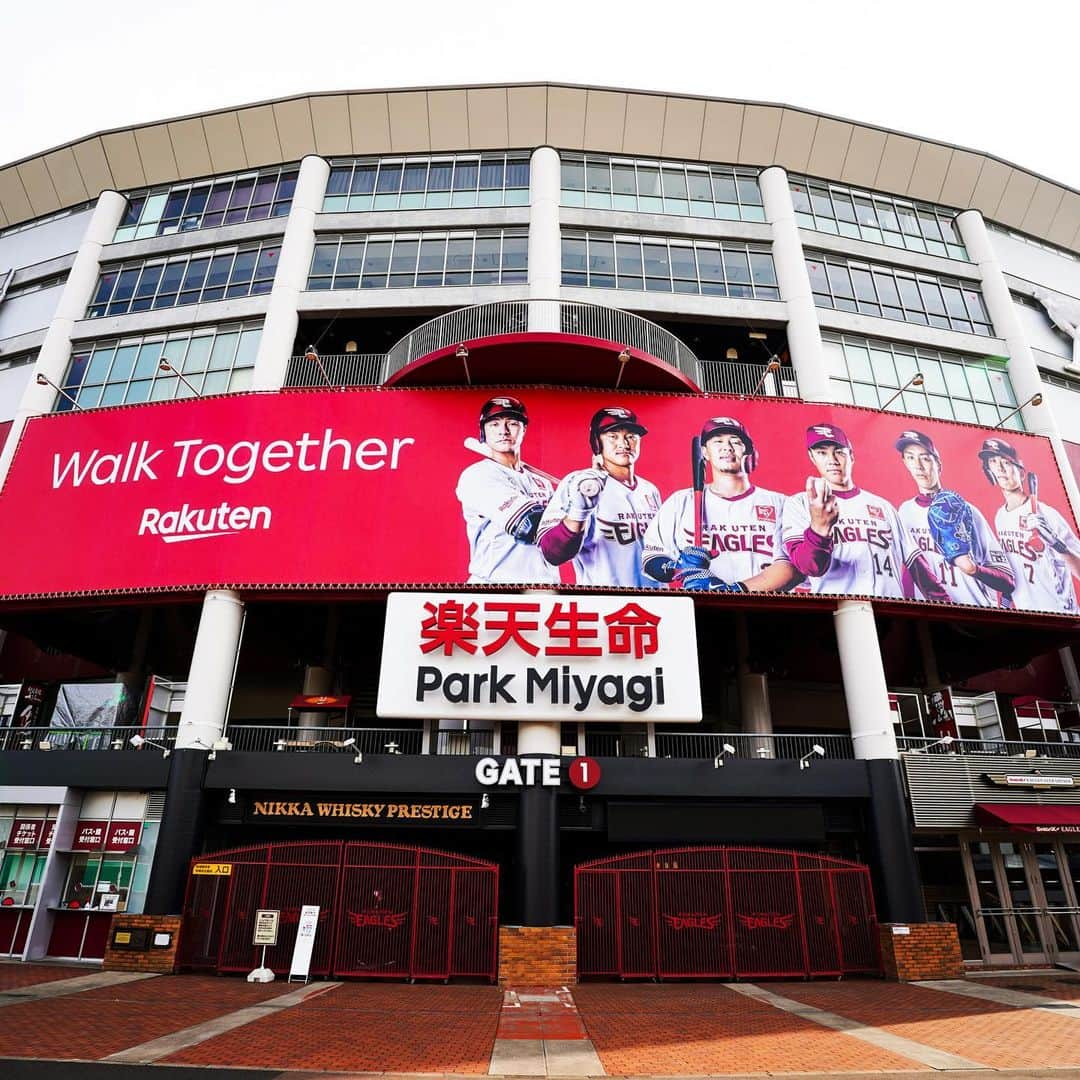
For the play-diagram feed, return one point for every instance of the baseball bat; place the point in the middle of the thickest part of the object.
(1035, 541)
(697, 465)
(588, 487)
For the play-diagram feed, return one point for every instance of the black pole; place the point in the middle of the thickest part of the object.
(538, 856)
(180, 835)
(893, 850)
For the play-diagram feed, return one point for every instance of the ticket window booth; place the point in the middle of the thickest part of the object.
(27, 834)
(106, 870)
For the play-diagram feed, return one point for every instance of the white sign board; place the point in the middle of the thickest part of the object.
(540, 656)
(305, 942)
(266, 927)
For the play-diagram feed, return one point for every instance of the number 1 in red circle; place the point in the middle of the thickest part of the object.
(584, 773)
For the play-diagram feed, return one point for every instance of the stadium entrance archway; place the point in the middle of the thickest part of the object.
(724, 912)
(386, 911)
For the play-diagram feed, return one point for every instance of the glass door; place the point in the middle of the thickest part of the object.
(996, 934)
(1057, 877)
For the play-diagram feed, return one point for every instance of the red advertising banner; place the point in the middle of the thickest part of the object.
(25, 833)
(123, 835)
(383, 487)
(89, 835)
(50, 834)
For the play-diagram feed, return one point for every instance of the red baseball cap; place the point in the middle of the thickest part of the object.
(818, 434)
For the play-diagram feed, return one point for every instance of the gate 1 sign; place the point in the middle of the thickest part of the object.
(540, 656)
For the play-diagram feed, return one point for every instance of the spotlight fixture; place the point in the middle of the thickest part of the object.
(485, 801)
(915, 380)
(164, 365)
(43, 380)
(1035, 400)
(139, 742)
(463, 355)
(770, 367)
(232, 796)
(312, 356)
(815, 751)
(623, 358)
(945, 740)
(718, 761)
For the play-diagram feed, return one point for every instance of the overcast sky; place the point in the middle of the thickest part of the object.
(996, 77)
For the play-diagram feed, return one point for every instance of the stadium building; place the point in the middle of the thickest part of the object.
(544, 529)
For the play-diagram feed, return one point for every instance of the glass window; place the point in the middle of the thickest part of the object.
(865, 371)
(660, 187)
(113, 372)
(199, 205)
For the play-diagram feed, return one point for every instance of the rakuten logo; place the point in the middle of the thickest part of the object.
(200, 523)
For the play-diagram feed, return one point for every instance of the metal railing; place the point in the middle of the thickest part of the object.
(80, 738)
(556, 316)
(747, 380)
(257, 738)
(677, 744)
(336, 369)
(464, 742)
(998, 747)
(616, 744)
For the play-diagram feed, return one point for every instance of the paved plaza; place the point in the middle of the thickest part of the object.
(1015, 1024)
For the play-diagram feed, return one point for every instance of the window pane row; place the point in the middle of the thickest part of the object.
(869, 372)
(427, 183)
(661, 187)
(192, 278)
(889, 293)
(216, 360)
(668, 264)
(224, 200)
(878, 219)
(406, 260)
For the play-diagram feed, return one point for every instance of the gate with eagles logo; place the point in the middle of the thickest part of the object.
(385, 910)
(724, 912)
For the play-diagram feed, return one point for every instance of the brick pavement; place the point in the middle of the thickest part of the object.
(999, 1036)
(1051, 984)
(15, 975)
(367, 1027)
(99, 1022)
(698, 1029)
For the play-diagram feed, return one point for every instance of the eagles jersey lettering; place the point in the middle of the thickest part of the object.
(494, 500)
(1043, 579)
(741, 533)
(610, 552)
(870, 546)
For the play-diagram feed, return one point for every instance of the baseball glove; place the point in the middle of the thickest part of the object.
(952, 525)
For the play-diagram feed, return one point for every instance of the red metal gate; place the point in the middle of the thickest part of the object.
(385, 911)
(717, 912)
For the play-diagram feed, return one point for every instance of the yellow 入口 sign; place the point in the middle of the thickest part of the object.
(213, 869)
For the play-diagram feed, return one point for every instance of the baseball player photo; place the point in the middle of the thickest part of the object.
(503, 500)
(961, 548)
(1040, 545)
(597, 517)
(846, 540)
(739, 526)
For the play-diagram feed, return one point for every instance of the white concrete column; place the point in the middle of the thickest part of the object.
(1023, 369)
(803, 332)
(55, 352)
(865, 689)
(54, 876)
(539, 737)
(317, 681)
(290, 279)
(754, 712)
(545, 241)
(210, 679)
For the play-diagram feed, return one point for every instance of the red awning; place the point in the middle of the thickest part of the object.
(1029, 817)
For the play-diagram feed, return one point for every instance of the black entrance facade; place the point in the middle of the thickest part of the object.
(386, 911)
(724, 912)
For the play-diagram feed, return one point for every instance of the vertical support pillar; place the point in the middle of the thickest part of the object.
(545, 243)
(202, 720)
(54, 877)
(209, 683)
(893, 855)
(754, 711)
(1068, 667)
(803, 332)
(865, 689)
(1023, 369)
(55, 352)
(290, 278)
(538, 832)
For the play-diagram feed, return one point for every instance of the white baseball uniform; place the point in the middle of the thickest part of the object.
(610, 552)
(494, 500)
(741, 533)
(1043, 579)
(870, 546)
(985, 550)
